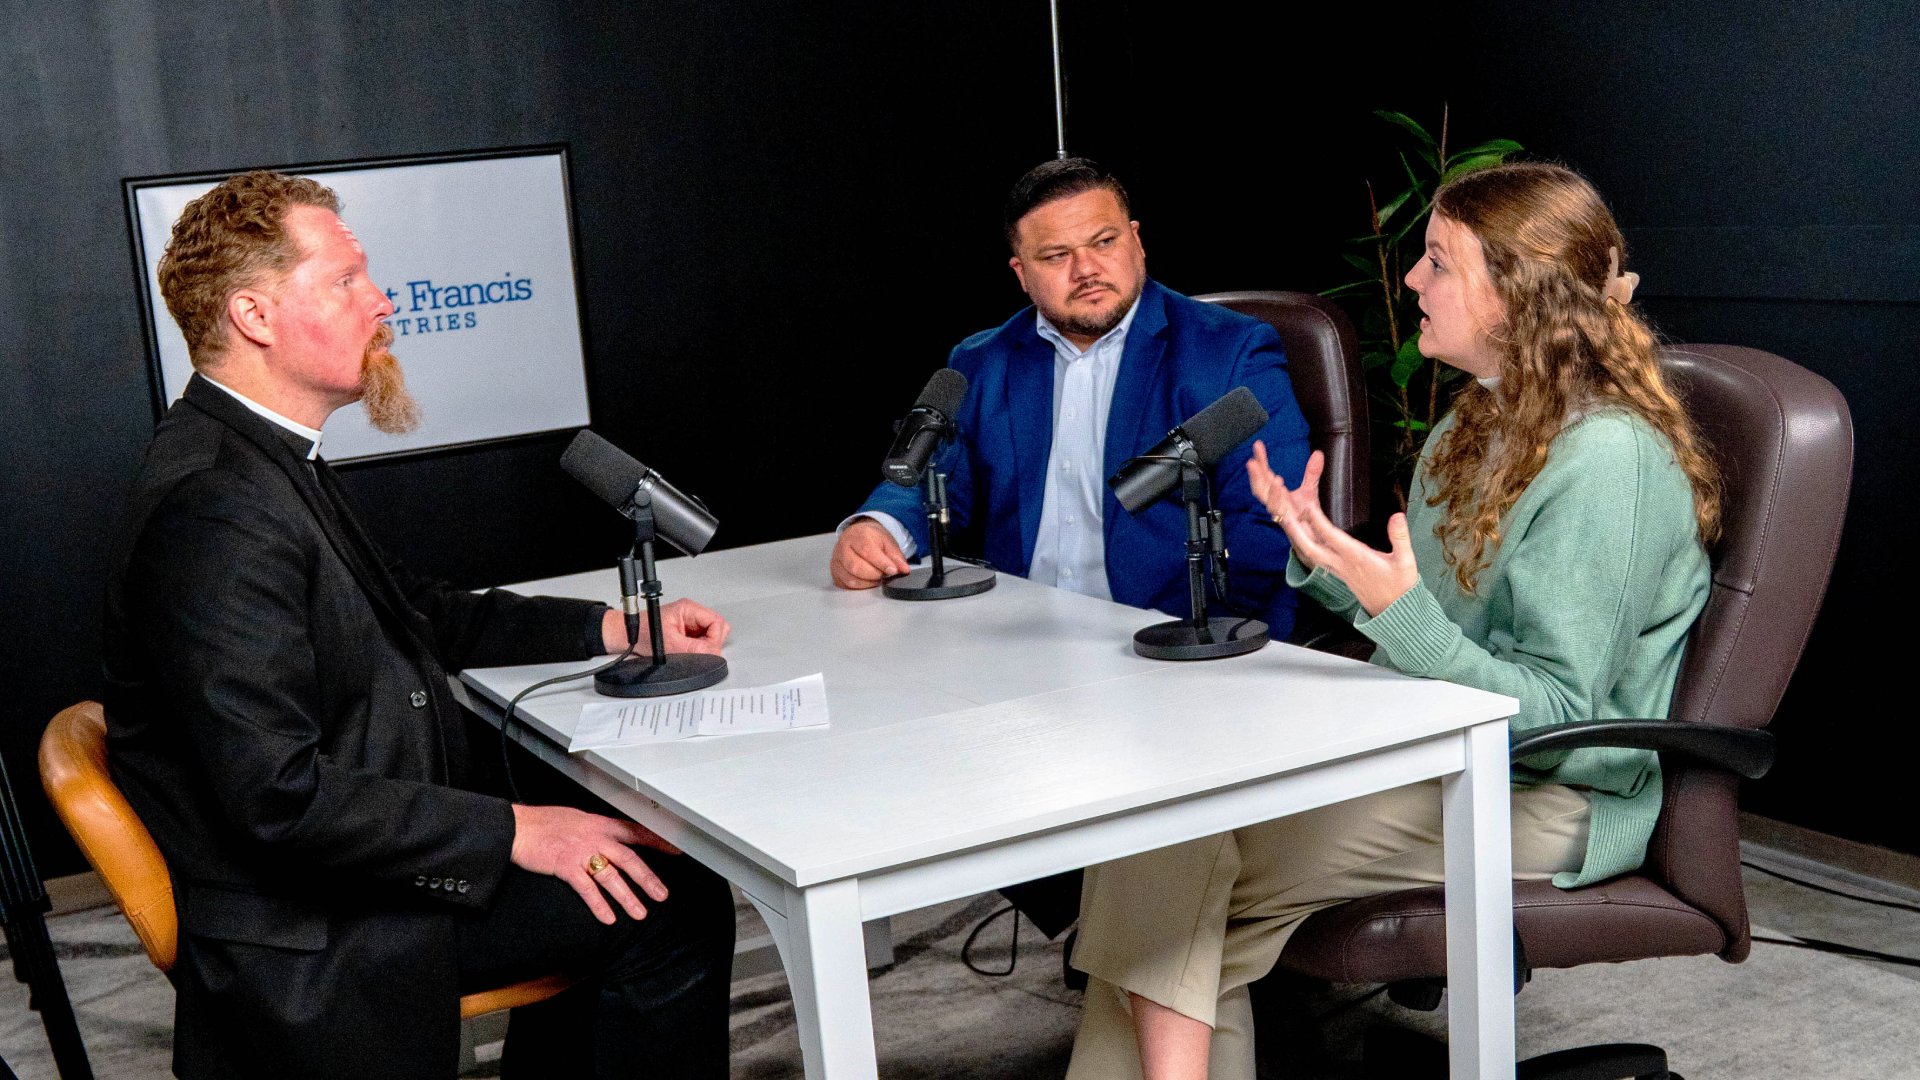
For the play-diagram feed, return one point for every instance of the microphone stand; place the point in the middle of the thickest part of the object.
(662, 673)
(935, 581)
(1198, 637)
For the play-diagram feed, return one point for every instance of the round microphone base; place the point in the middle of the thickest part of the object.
(958, 581)
(1181, 640)
(678, 674)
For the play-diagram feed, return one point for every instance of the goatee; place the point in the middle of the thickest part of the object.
(1095, 326)
(383, 389)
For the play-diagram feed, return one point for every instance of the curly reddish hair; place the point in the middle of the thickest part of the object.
(1565, 345)
(233, 237)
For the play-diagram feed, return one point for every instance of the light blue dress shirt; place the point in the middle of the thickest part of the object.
(1070, 548)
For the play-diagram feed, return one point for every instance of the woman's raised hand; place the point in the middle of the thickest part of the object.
(1376, 578)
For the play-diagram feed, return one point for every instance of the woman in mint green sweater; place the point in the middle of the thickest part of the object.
(1553, 551)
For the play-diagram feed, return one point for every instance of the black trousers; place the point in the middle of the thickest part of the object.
(656, 1004)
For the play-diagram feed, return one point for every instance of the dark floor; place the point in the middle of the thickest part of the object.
(1786, 1013)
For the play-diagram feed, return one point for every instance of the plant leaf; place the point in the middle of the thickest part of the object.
(1495, 146)
(1407, 360)
(1418, 184)
(1464, 165)
(1378, 358)
(1408, 122)
(1397, 202)
(1364, 265)
(1410, 424)
(1350, 287)
(1400, 237)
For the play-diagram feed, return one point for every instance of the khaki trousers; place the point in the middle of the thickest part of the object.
(1189, 926)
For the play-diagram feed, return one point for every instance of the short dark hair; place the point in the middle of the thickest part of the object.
(1062, 178)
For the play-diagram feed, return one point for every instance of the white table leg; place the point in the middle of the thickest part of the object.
(824, 948)
(1479, 856)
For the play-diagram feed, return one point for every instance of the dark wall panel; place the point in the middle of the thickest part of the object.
(787, 215)
(1760, 161)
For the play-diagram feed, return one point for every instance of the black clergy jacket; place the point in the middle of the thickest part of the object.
(279, 716)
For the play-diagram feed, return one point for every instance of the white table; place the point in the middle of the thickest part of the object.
(998, 738)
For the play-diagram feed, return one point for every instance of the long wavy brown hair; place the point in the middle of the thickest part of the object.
(1549, 244)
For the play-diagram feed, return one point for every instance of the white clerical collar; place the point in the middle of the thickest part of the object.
(1045, 328)
(1491, 384)
(298, 428)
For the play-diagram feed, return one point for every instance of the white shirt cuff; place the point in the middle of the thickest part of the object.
(890, 523)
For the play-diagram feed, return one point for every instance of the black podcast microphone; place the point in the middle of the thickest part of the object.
(920, 433)
(1201, 442)
(610, 473)
(1210, 434)
(658, 510)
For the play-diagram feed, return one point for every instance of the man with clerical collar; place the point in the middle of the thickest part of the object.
(1103, 364)
(279, 716)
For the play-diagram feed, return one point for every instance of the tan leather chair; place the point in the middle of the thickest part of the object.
(73, 768)
(1783, 438)
(1323, 360)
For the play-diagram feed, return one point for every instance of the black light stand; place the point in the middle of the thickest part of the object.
(661, 673)
(1199, 637)
(23, 909)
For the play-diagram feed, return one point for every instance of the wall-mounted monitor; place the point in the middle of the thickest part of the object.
(476, 251)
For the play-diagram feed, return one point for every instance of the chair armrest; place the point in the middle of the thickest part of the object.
(1746, 751)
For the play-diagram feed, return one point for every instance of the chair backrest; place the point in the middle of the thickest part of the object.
(73, 769)
(1323, 359)
(1783, 439)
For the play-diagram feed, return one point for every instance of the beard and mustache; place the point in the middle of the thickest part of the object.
(390, 406)
(1095, 326)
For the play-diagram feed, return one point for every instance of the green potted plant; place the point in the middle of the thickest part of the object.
(1409, 392)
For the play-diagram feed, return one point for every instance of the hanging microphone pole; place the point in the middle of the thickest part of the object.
(1059, 84)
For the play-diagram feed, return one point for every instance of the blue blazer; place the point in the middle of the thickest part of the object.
(1181, 355)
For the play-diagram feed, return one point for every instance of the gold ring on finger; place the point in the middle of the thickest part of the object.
(596, 864)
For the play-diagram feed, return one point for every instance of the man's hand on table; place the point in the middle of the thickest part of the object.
(865, 555)
(686, 626)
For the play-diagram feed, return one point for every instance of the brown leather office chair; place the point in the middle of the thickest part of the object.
(1784, 441)
(73, 768)
(1323, 359)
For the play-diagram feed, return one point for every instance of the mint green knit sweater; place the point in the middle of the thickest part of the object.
(1582, 615)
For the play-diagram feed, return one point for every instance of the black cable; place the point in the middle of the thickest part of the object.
(1894, 904)
(1837, 949)
(1013, 946)
(506, 721)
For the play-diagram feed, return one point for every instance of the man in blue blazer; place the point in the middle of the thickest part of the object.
(1099, 369)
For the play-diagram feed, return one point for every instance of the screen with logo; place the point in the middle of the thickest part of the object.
(475, 252)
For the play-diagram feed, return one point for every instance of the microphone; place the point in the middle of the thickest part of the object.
(658, 511)
(1208, 435)
(625, 484)
(1202, 441)
(920, 433)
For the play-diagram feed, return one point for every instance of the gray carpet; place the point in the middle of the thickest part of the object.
(1787, 1013)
